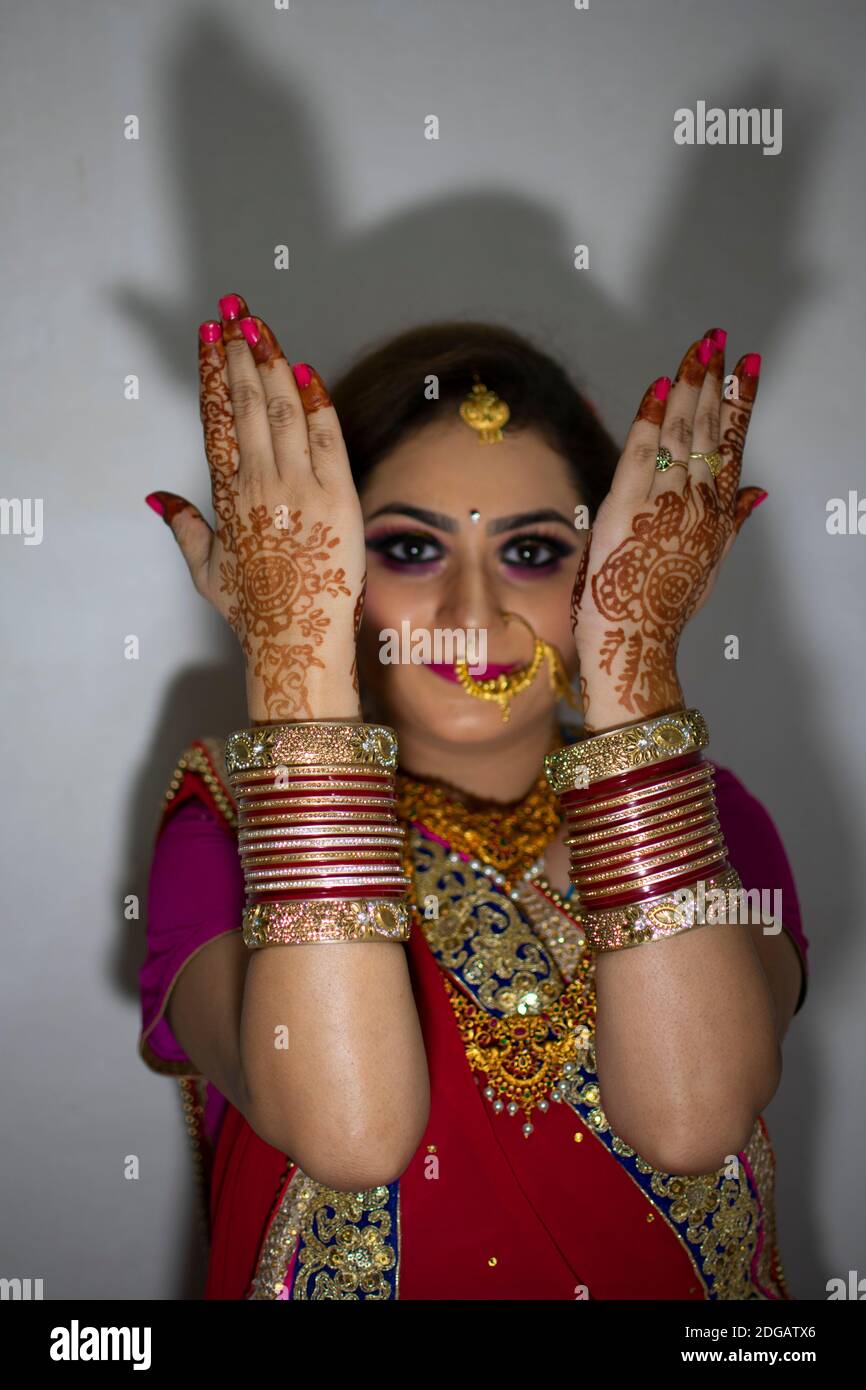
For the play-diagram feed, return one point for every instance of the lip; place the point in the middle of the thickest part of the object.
(492, 670)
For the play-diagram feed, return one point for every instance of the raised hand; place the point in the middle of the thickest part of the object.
(285, 562)
(659, 538)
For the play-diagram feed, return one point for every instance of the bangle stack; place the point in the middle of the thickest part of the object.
(640, 807)
(319, 840)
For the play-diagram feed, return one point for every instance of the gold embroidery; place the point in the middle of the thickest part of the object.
(282, 1236)
(523, 1057)
(347, 1244)
(195, 759)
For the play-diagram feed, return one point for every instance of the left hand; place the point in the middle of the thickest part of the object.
(659, 538)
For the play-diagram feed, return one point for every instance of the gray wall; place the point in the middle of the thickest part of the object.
(261, 127)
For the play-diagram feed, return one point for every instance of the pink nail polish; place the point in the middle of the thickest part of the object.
(719, 337)
(661, 388)
(250, 331)
(210, 331)
(752, 364)
(153, 501)
(706, 348)
(230, 306)
(303, 374)
(763, 495)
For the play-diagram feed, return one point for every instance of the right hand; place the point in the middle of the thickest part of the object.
(285, 564)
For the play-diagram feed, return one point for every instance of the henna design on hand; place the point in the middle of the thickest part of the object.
(273, 586)
(650, 585)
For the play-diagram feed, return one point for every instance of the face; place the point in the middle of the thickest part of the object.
(433, 566)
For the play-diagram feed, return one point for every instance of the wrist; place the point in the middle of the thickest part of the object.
(320, 698)
(604, 709)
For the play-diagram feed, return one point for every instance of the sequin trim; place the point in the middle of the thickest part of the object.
(324, 1245)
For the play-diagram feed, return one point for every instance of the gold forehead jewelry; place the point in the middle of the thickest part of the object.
(484, 412)
(503, 688)
(665, 460)
(713, 460)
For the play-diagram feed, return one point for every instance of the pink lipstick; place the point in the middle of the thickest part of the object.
(490, 672)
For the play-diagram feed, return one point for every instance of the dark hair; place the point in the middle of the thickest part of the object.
(380, 400)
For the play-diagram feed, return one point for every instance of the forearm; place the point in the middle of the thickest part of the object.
(330, 1042)
(686, 1046)
(687, 1040)
(333, 1059)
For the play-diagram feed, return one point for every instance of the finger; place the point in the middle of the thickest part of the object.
(220, 443)
(736, 415)
(285, 411)
(328, 453)
(246, 395)
(707, 427)
(192, 533)
(677, 429)
(636, 468)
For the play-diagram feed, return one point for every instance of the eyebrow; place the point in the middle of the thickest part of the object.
(494, 528)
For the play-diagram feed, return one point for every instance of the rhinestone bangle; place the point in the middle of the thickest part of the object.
(297, 923)
(305, 744)
(621, 750)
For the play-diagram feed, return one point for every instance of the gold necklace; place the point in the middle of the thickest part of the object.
(504, 836)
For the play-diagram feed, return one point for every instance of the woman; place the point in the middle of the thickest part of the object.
(498, 1100)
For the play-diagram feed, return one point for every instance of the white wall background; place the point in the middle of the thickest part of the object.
(261, 127)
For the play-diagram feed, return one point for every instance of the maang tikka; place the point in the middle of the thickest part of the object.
(485, 413)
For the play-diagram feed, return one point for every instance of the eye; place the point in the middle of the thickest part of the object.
(405, 548)
(534, 552)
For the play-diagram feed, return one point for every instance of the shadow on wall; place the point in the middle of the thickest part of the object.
(253, 171)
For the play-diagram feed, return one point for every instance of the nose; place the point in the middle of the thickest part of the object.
(471, 600)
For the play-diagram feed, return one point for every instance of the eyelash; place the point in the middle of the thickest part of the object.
(386, 546)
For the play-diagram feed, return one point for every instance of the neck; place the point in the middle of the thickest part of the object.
(501, 769)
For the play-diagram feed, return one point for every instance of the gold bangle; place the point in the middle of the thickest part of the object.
(625, 814)
(583, 845)
(362, 880)
(622, 750)
(623, 853)
(684, 782)
(311, 824)
(291, 794)
(295, 865)
(646, 880)
(616, 928)
(305, 744)
(261, 776)
(629, 865)
(336, 919)
(306, 816)
(261, 854)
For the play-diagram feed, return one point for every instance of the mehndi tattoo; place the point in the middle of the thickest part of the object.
(270, 574)
(653, 581)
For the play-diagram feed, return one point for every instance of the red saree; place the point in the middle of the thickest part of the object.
(484, 1210)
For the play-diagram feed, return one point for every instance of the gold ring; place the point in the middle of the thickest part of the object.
(664, 460)
(713, 460)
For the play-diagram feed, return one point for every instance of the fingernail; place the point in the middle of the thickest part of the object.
(153, 501)
(303, 374)
(230, 306)
(661, 388)
(752, 364)
(210, 331)
(250, 331)
(762, 496)
(706, 348)
(719, 336)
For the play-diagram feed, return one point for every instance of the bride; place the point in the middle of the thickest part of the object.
(488, 1086)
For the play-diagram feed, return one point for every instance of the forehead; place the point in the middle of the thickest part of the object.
(446, 468)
